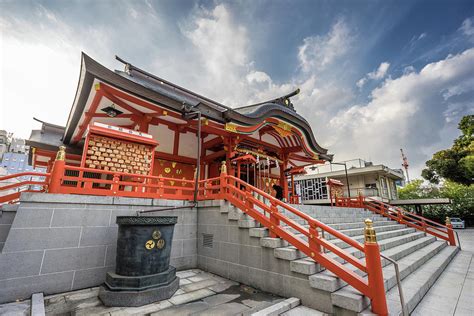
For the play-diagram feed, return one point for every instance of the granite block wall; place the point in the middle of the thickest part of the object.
(58, 243)
(236, 255)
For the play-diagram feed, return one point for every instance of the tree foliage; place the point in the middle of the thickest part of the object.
(461, 196)
(456, 163)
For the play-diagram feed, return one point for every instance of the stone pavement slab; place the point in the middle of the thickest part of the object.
(453, 292)
(17, 308)
(303, 311)
(200, 293)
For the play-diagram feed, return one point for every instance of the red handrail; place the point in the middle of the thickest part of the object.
(13, 197)
(419, 222)
(241, 194)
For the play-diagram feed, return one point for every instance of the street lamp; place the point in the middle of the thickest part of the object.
(347, 178)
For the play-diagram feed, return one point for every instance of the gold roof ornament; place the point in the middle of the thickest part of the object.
(230, 127)
(369, 232)
(448, 220)
(284, 129)
(61, 154)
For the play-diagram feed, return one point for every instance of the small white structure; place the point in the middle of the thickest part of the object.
(364, 177)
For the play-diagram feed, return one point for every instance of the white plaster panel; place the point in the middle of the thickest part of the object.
(188, 145)
(164, 136)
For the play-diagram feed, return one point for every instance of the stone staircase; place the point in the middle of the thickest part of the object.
(421, 257)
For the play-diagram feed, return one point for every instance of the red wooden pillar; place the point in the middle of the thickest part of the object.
(452, 241)
(313, 236)
(374, 269)
(223, 178)
(57, 171)
(273, 219)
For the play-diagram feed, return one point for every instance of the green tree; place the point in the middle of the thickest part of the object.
(461, 196)
(456, 163)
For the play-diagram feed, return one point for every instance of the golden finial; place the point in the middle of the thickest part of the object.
(61, 154)
(369, 232)
(223, 167)
(448, 220)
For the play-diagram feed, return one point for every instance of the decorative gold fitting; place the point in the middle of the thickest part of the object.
(312, 254)
(272, 227)
(369, 232)
(61, 154)
(311, 236)
(448, 220)
(223, 167)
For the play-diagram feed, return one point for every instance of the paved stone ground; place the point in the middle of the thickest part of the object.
(453, 292)
(16, 309)
(200, 293)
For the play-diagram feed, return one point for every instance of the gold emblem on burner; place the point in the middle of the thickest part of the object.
(156, 234)
(160, 244)
(150, 244)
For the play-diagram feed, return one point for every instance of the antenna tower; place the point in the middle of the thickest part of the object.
(405, 165)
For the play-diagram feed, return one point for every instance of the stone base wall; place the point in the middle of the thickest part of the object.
(59, 243)
(239, 257)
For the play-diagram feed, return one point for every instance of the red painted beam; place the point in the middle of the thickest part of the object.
(87, 116)
(171, 157)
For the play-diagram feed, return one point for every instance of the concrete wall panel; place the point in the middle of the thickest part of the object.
(63, 242)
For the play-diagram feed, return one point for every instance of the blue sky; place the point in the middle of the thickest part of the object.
(376, 76)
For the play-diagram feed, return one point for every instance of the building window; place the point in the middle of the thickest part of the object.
(313, 189)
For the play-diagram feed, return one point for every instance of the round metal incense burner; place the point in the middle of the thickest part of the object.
(142, 273)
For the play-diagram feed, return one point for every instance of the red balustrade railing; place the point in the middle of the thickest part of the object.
(249, 200)
(400, 215)
(22, 185)
(78, 180)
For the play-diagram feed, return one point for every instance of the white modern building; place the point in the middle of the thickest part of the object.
(364, 178)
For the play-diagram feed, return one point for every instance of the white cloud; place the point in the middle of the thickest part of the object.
(410, 111)
(380, 72)
(320, 51)
(467, 27)
(377, 74)
(213, 56)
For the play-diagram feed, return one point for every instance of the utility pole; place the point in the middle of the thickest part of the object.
(405, 165)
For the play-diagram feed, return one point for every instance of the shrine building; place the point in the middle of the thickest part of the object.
(137, 128)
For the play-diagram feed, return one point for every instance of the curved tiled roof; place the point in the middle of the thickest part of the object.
(168, 95)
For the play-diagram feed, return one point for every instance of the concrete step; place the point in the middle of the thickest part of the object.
(342, 220)
(303, 311)
(289, 253)
(306, 266)
(361, 225)
(383, 245)
(327, 281)
(380, 237)
(344, 226)
(269, 242)
(350, 299)
(328, 214)
(259, 232)
(357, 231)
(279, 308)
(417, 284)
